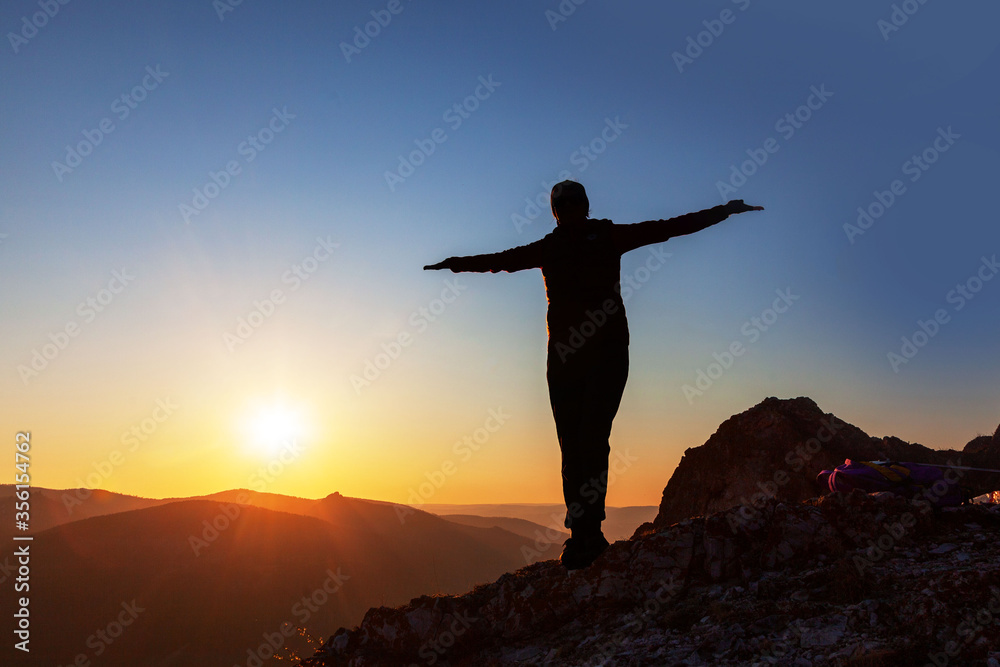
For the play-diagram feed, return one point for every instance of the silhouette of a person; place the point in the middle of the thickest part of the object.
(587, 364)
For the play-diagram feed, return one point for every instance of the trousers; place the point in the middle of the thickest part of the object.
(585, 390)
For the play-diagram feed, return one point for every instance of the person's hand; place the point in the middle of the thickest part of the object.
(737, 206)
(445, 264)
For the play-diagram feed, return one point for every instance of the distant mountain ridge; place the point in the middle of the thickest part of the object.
(53, 507)
(515, 525)
(215, 576)
(620, 523)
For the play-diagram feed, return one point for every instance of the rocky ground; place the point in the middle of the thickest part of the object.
(859, 580)
(763, 574)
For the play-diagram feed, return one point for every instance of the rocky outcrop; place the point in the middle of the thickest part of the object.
(842, 580)
(727, 577)
(988, 446)
(777, 448)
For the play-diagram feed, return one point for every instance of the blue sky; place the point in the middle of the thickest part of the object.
(556, 86)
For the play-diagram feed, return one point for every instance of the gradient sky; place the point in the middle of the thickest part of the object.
(682, 127)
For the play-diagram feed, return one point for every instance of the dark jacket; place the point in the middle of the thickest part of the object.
(581, 263)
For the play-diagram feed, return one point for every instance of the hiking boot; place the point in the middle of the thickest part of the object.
(581, 551)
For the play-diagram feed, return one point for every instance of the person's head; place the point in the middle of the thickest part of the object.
(569, 202)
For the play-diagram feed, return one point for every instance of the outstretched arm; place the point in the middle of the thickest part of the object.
(630, 237)
(516, 259)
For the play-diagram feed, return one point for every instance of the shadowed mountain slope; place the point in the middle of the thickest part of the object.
(213, 577)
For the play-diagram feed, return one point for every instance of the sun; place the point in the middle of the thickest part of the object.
(270, 428)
